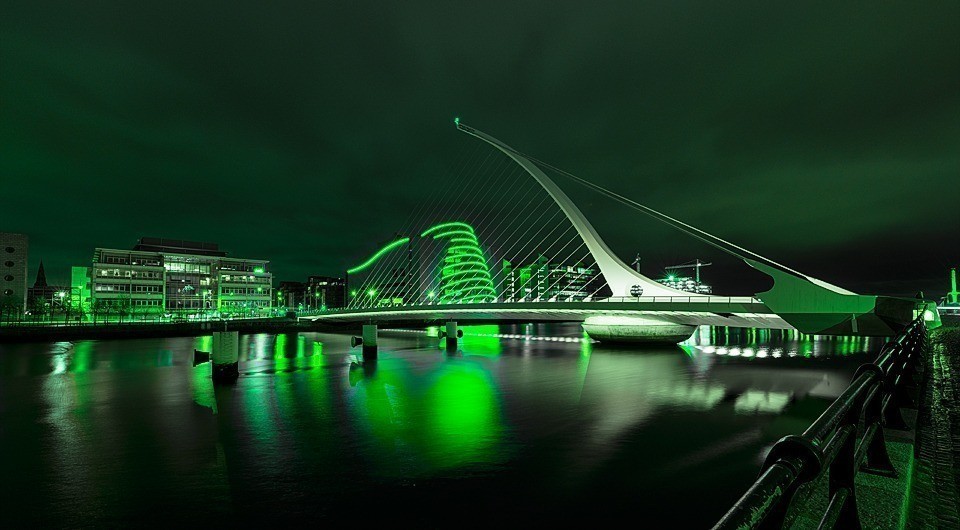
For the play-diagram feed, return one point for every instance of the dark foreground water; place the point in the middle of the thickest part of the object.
(506, 430)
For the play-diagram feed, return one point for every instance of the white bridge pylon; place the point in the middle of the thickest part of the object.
(619, 276)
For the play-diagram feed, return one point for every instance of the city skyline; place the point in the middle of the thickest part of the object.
(715, 117)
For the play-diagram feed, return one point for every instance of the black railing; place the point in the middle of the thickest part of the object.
(845, 439)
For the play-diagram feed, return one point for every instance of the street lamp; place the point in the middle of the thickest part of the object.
(60, 295)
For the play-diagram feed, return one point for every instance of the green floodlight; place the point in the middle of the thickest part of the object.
(456, 121)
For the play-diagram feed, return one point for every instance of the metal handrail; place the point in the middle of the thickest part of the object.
(845, 439)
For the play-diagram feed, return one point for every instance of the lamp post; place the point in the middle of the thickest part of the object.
(60, 295)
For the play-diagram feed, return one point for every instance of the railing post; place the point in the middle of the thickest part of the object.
(892, 417)
(791, 448)
(878, 460)
(843, 471)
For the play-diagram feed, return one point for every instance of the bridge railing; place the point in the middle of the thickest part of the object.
(703, 299)
(846, 439)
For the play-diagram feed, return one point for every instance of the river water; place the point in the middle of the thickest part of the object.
(523, 424)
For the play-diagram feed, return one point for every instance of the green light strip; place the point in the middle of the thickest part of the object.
(378, 255)
(449, 285)
(466, 250)
(473, 275)
(457, 233)
(445, 225)
(464, 275)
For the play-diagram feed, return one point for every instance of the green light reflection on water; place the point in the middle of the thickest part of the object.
(82, 360)
(465, 419)
(201, 382)
(481, 340)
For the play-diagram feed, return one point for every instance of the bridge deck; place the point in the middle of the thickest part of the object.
(704, 310)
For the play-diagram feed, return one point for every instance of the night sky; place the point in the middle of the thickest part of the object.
(822, 136)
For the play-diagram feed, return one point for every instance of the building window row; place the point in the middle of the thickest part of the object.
(112, 288)
(117, 273)
(233, 278)
(242, 291)
(196, 268)
(244, 303)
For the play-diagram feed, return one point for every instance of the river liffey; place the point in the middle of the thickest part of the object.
(521, 424)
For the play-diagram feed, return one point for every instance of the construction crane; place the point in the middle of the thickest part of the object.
(696, 264)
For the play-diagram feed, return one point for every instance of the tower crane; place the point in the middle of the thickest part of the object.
(696, 264)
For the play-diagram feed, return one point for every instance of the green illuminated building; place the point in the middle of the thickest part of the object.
(80, 288)
(463, 275)
(460, 274)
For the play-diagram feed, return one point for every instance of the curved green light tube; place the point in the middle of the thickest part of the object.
(464, 275)
(441, 226)
(373, 259)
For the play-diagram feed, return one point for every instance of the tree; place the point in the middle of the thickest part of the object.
(121, 306)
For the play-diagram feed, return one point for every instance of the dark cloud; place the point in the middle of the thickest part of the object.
(825, 135)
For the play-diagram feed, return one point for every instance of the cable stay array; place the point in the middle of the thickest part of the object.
(486, 232)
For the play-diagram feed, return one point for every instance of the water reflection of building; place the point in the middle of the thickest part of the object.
(542, 280)
(178, 276)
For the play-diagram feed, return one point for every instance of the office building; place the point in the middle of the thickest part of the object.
(290, 295)
(324, 292)
(13, 273)
(179, 277)
(544, 281)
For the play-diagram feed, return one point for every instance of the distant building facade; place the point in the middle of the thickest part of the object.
(325, 292)
(176, 276)
(544, 281)
(290, 294)
(13, 274)
(684, 283)
(80, 289)
(318, 292)
(44, 298)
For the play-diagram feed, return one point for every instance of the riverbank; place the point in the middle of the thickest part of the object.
(143, 330)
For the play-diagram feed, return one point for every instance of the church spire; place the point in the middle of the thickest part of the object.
(41, 277)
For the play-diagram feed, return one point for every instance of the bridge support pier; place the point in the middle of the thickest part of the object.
(225, 356)
(451, 333)
(368, 342)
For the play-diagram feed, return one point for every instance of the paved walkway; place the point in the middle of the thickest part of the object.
(934, 500)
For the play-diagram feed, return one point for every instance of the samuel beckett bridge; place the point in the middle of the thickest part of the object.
(504, 243)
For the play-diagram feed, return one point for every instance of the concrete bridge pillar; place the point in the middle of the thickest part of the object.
(225, 356)
(451, 333)
(368, 341)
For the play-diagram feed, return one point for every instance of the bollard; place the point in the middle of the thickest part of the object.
(451, 333)
(368, 341)
(226, 346)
